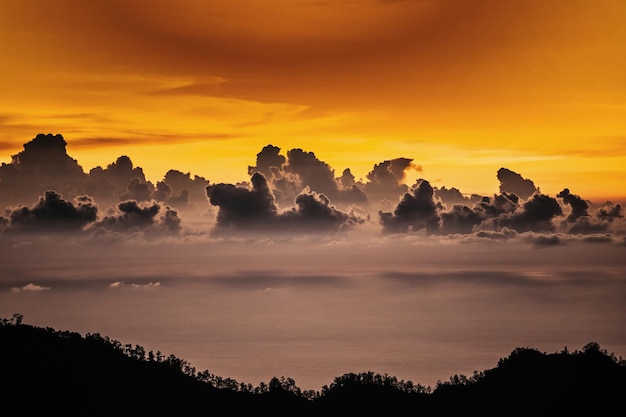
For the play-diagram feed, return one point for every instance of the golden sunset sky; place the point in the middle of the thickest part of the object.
(461, 87)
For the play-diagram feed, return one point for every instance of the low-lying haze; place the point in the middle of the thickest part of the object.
(298, 271)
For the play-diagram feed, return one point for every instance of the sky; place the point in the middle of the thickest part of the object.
(462, 88)
(307, 188)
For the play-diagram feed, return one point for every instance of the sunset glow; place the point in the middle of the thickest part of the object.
(311, 187)
(460, 87)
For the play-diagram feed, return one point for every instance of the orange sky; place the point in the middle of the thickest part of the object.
(462, 87)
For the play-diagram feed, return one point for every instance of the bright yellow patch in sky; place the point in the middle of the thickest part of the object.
(462, 88)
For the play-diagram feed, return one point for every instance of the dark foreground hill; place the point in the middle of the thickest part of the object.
(48, 372)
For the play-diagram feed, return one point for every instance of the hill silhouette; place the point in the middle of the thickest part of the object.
(44, 371)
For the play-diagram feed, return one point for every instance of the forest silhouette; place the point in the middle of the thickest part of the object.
(46, 371)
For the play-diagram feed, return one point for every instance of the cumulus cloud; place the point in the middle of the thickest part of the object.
(580, 221)
(43, 165)
(138, 190)
(253, 208)
(535, 215)
(133, 216)
(577, 205)
(417, 210)
(512, 182)
(185, 192)
(385, 179)
(311, 172)
(313, 211)
(295, 191)
(460, 219)
(610, 211)
(52, 212)
(453, 196)
(119, 181)
(268, 162)
(289, 176)
(243, 207)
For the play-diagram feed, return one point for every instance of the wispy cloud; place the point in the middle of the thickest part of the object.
(122, 284)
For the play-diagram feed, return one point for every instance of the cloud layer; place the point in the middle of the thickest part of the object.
(294, 192)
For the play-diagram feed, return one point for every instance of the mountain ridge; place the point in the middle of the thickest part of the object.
(44, 370)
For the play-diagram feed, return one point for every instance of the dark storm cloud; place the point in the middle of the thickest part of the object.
(52, 212)
(416, 210)
(512, 182)
(253, 208)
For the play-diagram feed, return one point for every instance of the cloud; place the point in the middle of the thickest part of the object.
(296, 191)
(385, 179)
(580, 221)
(610, 211)
(122, 284)
(311, 172)
(30, 288)
(242, 207)
(417, 210)
(52, 212)
(460, 219)
(43, 165)
(452, 196)
(133, 216)
(512, 182)
(577, 205)
(267, 280)
(253, 208)
(268, 162)
(535, 215)
(138, 190)
(503, 234)
(313, 211)
(300, 169)
(120, 180)
(543, 241)
(185, 190)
